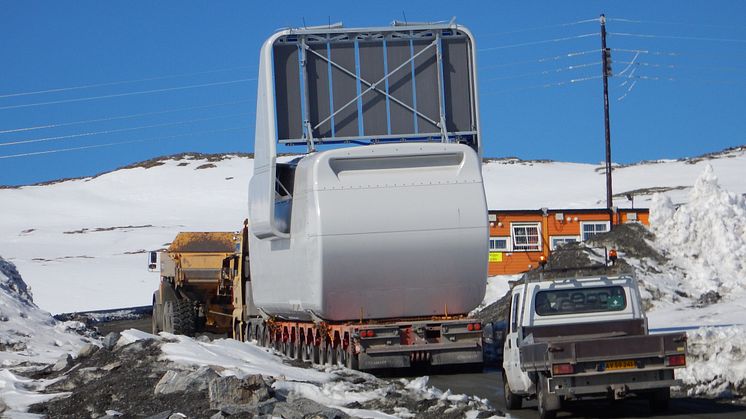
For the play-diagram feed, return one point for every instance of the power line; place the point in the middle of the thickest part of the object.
(686, 38)
(112, 131)
(115, 83)
(685, 66)
(658, 22)
(541, 60)
(141, 92)
(646, 51)
(546, 85)
(544, 41)
(537, 28)
(62, 150)
(114, 118)
(546, 72)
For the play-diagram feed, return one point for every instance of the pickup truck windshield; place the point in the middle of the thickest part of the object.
(587, 300)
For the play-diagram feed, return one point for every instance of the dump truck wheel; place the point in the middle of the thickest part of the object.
(156, 316)
(178, 317)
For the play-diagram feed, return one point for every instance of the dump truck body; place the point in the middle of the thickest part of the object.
(194, 293)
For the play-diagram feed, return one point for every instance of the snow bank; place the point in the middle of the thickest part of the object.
(28, 335)
(706, 236)
(716, 362)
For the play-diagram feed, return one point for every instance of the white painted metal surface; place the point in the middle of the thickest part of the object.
(375, 231)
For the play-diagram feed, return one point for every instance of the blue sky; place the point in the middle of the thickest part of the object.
(186, 67)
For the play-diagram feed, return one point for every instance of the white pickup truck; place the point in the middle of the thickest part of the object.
(586, 337)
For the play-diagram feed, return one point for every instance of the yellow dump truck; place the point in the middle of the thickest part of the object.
(196, 288)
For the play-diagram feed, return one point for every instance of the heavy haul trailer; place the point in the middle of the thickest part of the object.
(370, 249)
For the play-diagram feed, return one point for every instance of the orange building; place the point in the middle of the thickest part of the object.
(519, 237)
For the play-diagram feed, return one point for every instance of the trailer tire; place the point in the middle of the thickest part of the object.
(547, 403)
(340, 356)
(263, 337)
(352, 359)
(329, 355)
(512, 401)
(316, 354)
(659, 400)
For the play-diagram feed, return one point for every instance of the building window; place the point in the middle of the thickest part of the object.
(591, 228)
(526, 237)
(499, 244)
(555, 241)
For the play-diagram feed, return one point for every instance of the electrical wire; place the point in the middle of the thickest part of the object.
(537, 28)
(546, 72)
(62, 150)
(646, 51)
(544, 41)
(686, 38)
(546, 85)
(112, 131)
(114, 118)
(115, 83)
(141, 92)
(541, 60)
(658, 22)
(630, 64)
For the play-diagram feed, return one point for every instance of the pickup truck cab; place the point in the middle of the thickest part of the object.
(585, 337)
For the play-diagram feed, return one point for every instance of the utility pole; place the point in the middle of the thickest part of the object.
(606, 68)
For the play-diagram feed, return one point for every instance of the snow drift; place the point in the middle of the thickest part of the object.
(706, 236)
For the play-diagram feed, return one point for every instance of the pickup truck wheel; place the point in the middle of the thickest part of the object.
(512, 400)
(547, 403)
(659, 400)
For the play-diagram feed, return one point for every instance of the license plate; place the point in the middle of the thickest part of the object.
(620, 365)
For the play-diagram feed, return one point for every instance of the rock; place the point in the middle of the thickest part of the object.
(110, 340)
(228, 392)
(203, 339)
(87, 350)
(62, 363)
(177, 415)
(114, 413)
(163, 415)
(185, 382)
(710, 297)
(302, 408)
(112, 366)
(266, 407)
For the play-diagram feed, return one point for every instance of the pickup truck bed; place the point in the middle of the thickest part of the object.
(601, 354)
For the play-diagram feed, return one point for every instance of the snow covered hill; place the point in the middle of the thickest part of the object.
(81, 244)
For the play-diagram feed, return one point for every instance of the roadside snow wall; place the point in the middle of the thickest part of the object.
(27, 333)
(705, 236)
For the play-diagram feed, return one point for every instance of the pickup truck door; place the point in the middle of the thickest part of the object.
(519, 381)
